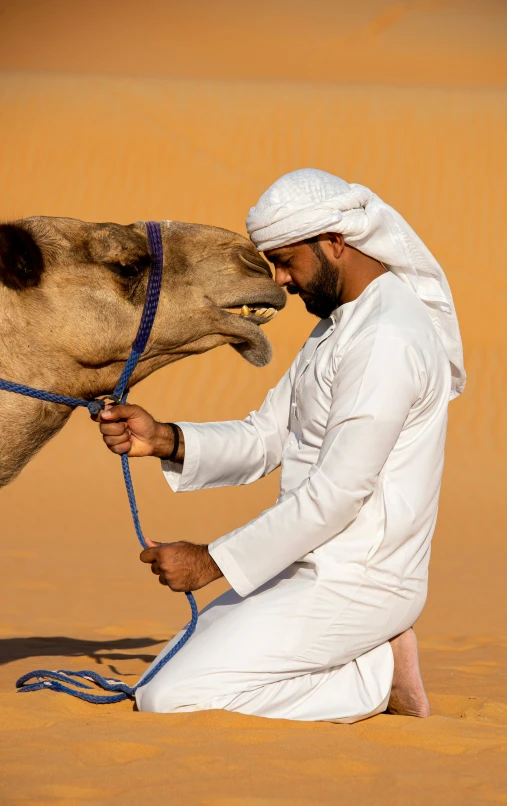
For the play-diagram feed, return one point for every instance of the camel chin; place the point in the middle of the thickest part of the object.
(257, 350)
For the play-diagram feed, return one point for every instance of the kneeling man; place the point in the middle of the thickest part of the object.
(327, 583)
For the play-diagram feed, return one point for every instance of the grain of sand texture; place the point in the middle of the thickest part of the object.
(120, 111)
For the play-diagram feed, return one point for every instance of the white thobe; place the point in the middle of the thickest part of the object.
(338, 566)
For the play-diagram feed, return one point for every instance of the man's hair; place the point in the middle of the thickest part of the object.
(313, 243)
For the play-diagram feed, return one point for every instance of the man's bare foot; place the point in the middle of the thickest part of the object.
(408, 697)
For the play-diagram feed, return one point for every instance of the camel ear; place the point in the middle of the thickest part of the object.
(21, 262)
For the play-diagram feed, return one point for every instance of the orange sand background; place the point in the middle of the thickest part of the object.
(123, 111)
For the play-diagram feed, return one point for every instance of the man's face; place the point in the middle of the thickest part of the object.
(305, 269)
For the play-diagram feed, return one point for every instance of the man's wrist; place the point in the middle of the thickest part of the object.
(165, 443)
(214, 569)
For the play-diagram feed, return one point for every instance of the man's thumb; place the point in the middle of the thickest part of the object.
(152, 544)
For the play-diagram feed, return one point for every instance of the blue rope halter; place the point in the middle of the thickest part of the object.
(62, 680)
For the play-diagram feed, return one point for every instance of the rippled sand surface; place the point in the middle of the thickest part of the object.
(60, 750)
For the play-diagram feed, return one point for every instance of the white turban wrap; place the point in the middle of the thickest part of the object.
(309, 202)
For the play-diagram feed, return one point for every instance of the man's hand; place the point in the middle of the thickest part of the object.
(182, 566)
(130, 429)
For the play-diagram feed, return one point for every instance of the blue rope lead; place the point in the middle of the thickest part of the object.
(50, 397)
(69, 682)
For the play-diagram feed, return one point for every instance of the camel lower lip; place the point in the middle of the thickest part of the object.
(249, 339)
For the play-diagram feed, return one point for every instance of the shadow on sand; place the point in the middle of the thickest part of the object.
(12, 649)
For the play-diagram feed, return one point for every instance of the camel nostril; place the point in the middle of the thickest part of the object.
(255, 263)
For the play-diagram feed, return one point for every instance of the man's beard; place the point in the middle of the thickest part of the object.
(324, 297)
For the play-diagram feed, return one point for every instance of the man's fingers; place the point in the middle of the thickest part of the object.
(163, 562)
(123, 411)
(124, 447)
(148, 555)
(113, 429)
(118, 445)
(152, 543)
(110, 441)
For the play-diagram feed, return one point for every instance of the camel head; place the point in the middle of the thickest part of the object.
(71, 298)
(75, 292)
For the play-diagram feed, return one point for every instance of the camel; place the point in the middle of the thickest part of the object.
(71, 296)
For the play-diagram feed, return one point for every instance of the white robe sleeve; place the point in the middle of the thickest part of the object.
(235, 452)
(377, 382)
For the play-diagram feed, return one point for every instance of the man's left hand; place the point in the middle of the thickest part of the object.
(182, 566)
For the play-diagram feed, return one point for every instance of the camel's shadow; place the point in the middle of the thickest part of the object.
(100, 652)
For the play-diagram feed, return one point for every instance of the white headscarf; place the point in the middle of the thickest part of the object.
(308, 202)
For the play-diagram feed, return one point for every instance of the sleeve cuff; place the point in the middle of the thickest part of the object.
(229, 567)
(181, 478)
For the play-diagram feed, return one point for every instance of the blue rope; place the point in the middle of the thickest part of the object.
(65, 681)
(49, 397)
(149, 310)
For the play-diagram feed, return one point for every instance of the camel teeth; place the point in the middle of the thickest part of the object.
(260, 312)
(271, 312)
(245, 310)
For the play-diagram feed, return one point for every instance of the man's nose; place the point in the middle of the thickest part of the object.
(282, 277)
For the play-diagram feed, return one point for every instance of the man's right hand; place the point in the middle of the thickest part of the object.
(131, 430)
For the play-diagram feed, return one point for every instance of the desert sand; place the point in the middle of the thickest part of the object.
(120, 113)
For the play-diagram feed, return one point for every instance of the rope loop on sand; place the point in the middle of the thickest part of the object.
(65, 681)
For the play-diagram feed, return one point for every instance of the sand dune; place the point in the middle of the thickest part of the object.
(200, 127)
(415, 42)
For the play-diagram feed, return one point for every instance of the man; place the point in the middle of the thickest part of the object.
(327, 583)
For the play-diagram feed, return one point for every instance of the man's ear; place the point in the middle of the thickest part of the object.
(337, 243)
(21, 261)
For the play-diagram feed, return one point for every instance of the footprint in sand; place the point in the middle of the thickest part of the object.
(490, 711)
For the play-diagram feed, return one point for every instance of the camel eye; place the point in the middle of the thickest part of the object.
(130, 270)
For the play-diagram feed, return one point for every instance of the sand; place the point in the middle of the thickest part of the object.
(59, 750)
(126, 115)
